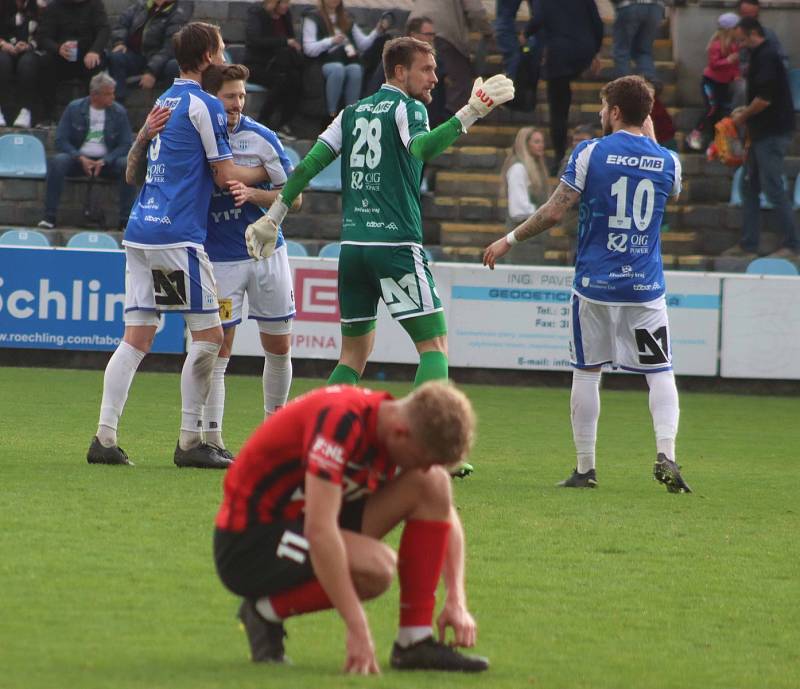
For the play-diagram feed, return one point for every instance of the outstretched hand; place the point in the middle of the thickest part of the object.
(494, 251)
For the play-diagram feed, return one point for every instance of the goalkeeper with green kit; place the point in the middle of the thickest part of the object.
(384, 141)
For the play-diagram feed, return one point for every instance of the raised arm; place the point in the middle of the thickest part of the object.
(548, 215)
(136, 171)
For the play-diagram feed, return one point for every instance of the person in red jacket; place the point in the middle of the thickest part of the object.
(719, 75)
(311, 495)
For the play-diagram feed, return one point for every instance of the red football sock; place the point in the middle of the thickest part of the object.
(419, 565)
(308, 597)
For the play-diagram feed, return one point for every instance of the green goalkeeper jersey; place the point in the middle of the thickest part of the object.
(380, 178)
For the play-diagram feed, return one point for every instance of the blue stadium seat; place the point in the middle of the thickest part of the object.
(772, 266)
(330, 179)
(22, 155)
(23, 238)
(428, 255)
(796, 199)
(794, 82)
(295, 248)
(92, 240)
(292, 155)
(331, 250)
(737, 198)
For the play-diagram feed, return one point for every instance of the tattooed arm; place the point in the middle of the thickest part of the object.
(548, 215)
(136, 171)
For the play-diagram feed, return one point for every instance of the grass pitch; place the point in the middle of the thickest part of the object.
(106, 577)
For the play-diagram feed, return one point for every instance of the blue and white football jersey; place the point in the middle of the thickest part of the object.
(624, 181)
(172, 207)
(253, 145)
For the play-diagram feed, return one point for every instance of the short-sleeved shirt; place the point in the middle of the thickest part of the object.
(171, 209)
(253, 145)
(330, 433)
(380, 177)
(624, 180)
(767, 78)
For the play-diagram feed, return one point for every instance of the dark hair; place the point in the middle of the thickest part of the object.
(415, 24)
(401, 51)
(749, 2)
(751, 25)
(193, 41)
(216, 75)
(632, 96)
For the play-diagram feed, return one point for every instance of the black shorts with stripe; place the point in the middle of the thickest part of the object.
(265, 559)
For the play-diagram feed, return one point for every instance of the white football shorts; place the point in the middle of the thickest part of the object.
(268, 285)
(168, 279)
(634, 337)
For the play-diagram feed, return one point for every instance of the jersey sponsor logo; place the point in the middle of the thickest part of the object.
(617, 242)
(317, 295)
(231, 214)
(156, 173)
(357, 180)
(370, 180)
(150, 204)
(625, 272)
(642, 162)
(647, 288)
(170, 103)
(326, 454)
(374, 224)
(375, 108)
(160, 219)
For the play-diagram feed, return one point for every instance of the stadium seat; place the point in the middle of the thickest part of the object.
(794, 82)
(330, 179)
(92, 240)
(292, 155)
(737, 197)
(796, 199)
(331, 250)
(23, 238)
(428, 255)
(22, 155)
(295, 249)
(772, 266)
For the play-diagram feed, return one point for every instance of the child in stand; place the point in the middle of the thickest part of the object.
(718, 78)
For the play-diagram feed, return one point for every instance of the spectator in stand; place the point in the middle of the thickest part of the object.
(454, 19)
(769, 118)
(73, 35)
(663, 125)
(573, 34)
(331, 36)
(583, 132)
(275, 60)
(750, 9)
(92, 139)
(506, 34)
(142, 43)
(636, 26)
(719, 75)
(524, 180)
(18, 22)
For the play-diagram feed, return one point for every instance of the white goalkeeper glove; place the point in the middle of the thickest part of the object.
(261, 236)
(486, 96)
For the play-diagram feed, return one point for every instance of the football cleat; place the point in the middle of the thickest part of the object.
(578, 480)
(462, 471)
(202, 456)
(429, 654)
(669, 473)
(100, 454)
(265, 637)
(222, 451)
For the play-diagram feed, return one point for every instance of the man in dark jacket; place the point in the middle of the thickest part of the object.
(93, 139)
(73, 36)
(142, 43)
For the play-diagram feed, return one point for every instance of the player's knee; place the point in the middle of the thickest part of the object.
(375, 572)
(433, 490)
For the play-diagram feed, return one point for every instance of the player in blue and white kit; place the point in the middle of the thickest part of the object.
(268, 284)
(619, 313)
(167, 267)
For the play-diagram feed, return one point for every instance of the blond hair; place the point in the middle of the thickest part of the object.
(726, 38)
(535, 167)
(442, 421)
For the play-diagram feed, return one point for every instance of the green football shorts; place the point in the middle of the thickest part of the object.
(398, 274)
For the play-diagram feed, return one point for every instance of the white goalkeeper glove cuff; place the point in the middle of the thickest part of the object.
(261, 236)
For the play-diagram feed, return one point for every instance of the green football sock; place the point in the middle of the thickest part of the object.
(343, 375)
(432, 366)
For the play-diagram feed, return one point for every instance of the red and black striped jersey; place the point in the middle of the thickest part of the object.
(331, 433)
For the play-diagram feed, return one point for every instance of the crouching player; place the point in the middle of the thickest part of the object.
(308, 499)
(268, 284)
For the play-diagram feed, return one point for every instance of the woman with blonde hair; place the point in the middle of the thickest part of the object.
(524, 175)
(331, 36)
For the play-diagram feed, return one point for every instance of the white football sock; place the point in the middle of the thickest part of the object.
(410, 635)
(195, 383)
(266, 610)
(276, 379)
(585, 412)
(117, 381)
(214, 408)
(665, 411)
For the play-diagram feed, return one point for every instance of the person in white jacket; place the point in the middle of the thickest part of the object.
(525, 181)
